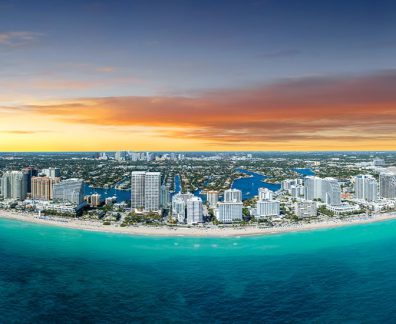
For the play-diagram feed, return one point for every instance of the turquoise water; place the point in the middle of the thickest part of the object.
(50, 274)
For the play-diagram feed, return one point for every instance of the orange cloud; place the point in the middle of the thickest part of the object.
(298, 114)
(328, 109)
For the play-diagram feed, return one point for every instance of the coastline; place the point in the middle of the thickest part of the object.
(196, 231)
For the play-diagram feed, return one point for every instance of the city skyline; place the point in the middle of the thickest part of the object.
(197, 76)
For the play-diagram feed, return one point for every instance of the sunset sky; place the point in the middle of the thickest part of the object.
(185, 75)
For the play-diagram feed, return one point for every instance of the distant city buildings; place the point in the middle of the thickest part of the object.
(379, 162)
(120, 156)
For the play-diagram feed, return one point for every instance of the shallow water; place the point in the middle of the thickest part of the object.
(51, 274)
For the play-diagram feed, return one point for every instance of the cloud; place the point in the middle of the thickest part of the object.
(338, 108)
(18, 38)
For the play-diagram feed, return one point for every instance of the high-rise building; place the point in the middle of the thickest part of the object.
(152, 184)
(312, 188)
(232, 195)
(14, 185)
(268, 208)
(212, 197)
(228, 212)
(69, 191)
(145, 190)
(194, 210)
(331, 192)
(305, 209)
(327, 189)
(95, 200)
(387, 185)
(179, 205)
(297, 191)
(43, 187)
(265, 194)
(30, 173)
(366, 188)
(52, 172)
(164, 197)
(137, 189)
(178, 208)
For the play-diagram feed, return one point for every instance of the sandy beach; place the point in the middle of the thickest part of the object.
(193, 231)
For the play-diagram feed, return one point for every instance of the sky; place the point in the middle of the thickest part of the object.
(197, 75)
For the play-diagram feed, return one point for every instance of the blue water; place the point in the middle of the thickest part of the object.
(177, 185)
(249, 186)
(122, 195)
(305, 172)
(50, 274)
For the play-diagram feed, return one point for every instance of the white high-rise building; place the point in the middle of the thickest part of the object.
(265, 194)
(14, 185)
(194, 210)
(268, 208)
(137, 189)
(232, 195)
(212, 198)
(145, 190)
(327, 189)
(297, 191)
(179, 204)
(52, 172)
(387, 185)
(312, 188)
(366, 188)
(70, 191)
(331, 192)
(228, 212)
(305, 209)
(152, 184)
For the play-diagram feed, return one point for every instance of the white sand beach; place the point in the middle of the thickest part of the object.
(194, 231)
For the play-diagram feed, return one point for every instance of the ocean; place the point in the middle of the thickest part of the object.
(53, 274)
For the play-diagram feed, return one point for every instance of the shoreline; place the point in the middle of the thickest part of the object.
(195, 231)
